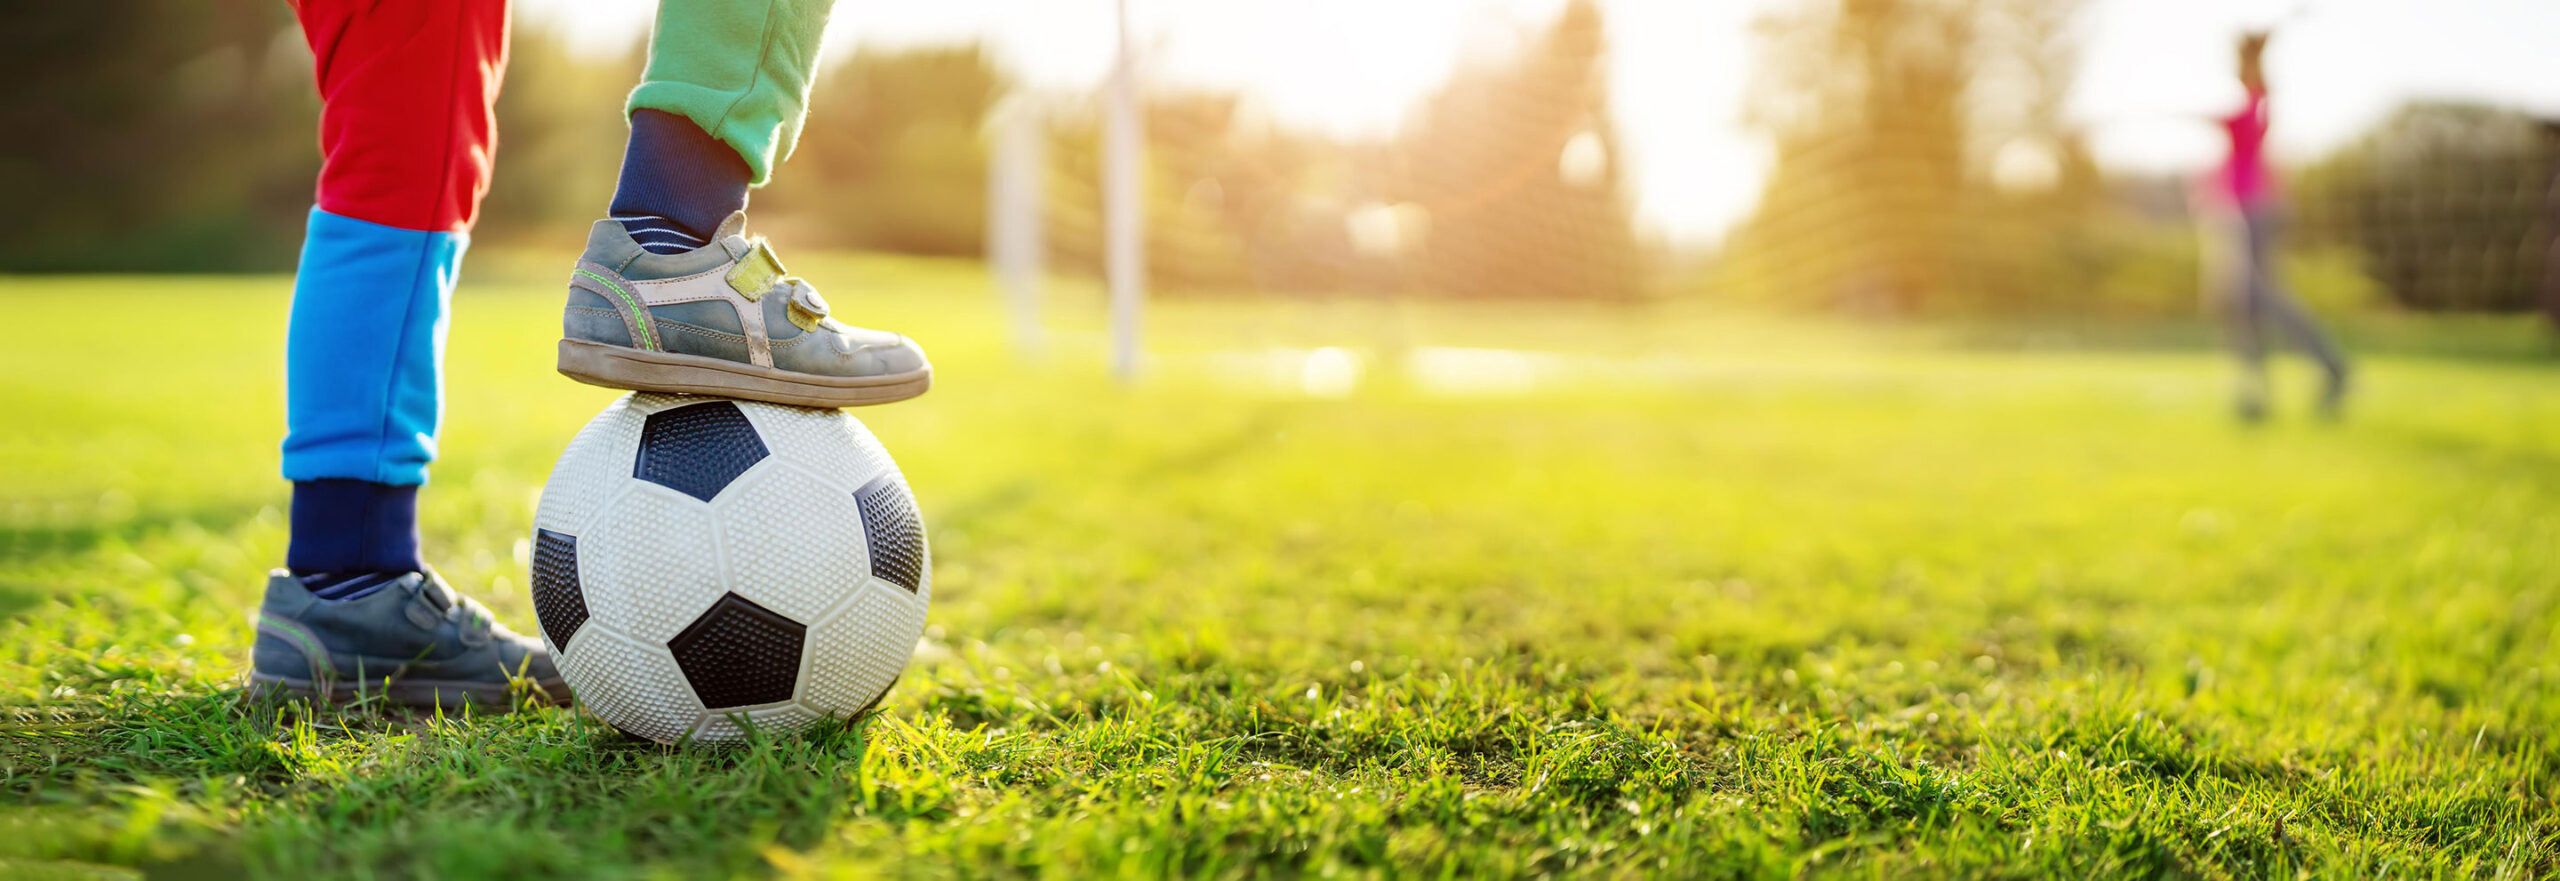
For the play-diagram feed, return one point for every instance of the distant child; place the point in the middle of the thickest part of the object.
(670, 296)
(2245, 208)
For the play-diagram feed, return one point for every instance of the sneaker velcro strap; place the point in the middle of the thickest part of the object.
(807, 308)
(756, 272)
(435, 591)
(423, 613)
(429, 601)
(476, 633)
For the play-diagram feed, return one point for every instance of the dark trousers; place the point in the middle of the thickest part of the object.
(2255, 305)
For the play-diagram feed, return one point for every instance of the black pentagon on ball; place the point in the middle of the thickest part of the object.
(739, 654)
(558, 602)
(893, 529)
(697, 449)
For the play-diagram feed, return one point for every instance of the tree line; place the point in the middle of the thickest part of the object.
(1923, 165)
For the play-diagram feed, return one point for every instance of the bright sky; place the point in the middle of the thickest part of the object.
(1679, 68)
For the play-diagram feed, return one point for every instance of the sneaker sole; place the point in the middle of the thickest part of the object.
(619, 367)
(420, 693)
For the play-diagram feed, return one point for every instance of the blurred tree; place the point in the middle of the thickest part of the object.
(1924, 162)
(155, 135)
(560, 138)
(1232, 201)
(1507, 184)
(1867, 101)
(891, 156)
(2035, 240)
(1192, 241)
(1289, 196)
(2551, 224)
(166, 135)
(1519, 170)
(173, 136)
(2446, 202)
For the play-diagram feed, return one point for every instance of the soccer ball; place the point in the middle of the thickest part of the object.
(703, 565)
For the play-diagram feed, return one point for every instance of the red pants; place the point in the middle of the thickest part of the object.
(407, 133)
(408, 90)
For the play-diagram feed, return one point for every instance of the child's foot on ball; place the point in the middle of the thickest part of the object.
(403, 636)
(722, 320)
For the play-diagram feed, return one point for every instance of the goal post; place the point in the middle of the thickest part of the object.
(1124, 220)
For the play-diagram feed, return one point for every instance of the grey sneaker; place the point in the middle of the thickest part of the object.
(723, 320)
(413, 642)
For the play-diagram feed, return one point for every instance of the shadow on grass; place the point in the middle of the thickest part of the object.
(32, 543)
(19, 596)
(229, 778)
(1013, 495)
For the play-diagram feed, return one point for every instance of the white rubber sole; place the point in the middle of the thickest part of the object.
(621, 367)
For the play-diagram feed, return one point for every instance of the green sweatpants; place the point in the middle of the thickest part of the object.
(740, 69)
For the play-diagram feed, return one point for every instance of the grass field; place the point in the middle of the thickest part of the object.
(1679, 595)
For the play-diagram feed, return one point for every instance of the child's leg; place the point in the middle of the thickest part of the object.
(406, 134)
(2278, 305)
(738, 69)
(671, 295)
(406, 131)
(720, 103)
(2234, 282)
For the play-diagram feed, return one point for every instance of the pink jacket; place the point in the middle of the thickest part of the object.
(2244, 178)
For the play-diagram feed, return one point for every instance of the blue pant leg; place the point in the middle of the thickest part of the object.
(364, 351)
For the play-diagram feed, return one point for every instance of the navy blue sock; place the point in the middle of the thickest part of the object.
(350, 527)
(678, 183)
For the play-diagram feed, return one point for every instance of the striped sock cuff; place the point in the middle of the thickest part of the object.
(658, 235)
(342, 586)
(678, 183)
